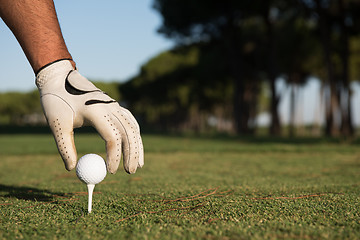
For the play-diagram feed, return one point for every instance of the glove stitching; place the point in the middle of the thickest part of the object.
(127, 137)
(62, 100)
(116, 130)
(129, 117)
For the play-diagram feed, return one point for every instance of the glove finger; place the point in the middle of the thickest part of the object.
(133, 153)
(141, 152)
(59, 117)
(131, 118)
(128, 115)
(106, 126)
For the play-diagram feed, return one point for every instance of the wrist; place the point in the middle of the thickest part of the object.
(52, 71)
(73, 64)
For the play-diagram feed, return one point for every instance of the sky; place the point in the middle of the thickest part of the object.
(109, 42)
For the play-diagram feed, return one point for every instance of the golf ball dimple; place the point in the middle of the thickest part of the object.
(91, 169)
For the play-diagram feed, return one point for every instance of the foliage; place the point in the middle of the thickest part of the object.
(296, 56)
(111, 88)
(189, 188)
(207, 21)
(265, 40)
(355, 58)
(177, 84)
(15, 105)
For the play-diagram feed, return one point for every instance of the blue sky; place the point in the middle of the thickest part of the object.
(108, 41)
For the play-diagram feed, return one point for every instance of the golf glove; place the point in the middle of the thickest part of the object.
(70, 101)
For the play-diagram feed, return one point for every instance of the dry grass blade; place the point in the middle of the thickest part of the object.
(194, 197)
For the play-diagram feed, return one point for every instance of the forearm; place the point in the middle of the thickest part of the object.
(35, 25)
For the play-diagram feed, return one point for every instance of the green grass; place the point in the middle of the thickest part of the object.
(189, 188)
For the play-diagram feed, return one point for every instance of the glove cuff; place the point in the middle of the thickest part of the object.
(52, 70)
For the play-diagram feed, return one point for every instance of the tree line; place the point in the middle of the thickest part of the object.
(227, 51)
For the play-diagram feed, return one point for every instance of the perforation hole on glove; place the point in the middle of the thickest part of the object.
(60, 139)
(116, 133)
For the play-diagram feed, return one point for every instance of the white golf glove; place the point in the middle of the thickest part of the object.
(70, 101)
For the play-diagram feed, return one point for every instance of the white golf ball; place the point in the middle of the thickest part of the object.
(91, 169)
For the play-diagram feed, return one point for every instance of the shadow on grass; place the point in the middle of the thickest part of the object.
(29, 193)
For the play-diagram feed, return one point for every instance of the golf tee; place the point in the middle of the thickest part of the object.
(90, 188)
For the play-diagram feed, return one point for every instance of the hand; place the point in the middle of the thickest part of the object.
(70, 101)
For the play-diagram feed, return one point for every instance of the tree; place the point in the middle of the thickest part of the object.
(337, 20)
(191, 21)
(15, 106)
(262, 40)
(178, 89)
(297, 57)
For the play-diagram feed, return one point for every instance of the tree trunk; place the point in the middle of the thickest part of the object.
(325, 38)
(292, 111)
(235, 62)
(328, 113)
(275, 128)
(252, 90)
(347, 128)
(237, 103)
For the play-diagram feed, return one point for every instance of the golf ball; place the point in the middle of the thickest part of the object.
(91, 169)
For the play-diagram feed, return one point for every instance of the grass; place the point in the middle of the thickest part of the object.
(189, 188)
